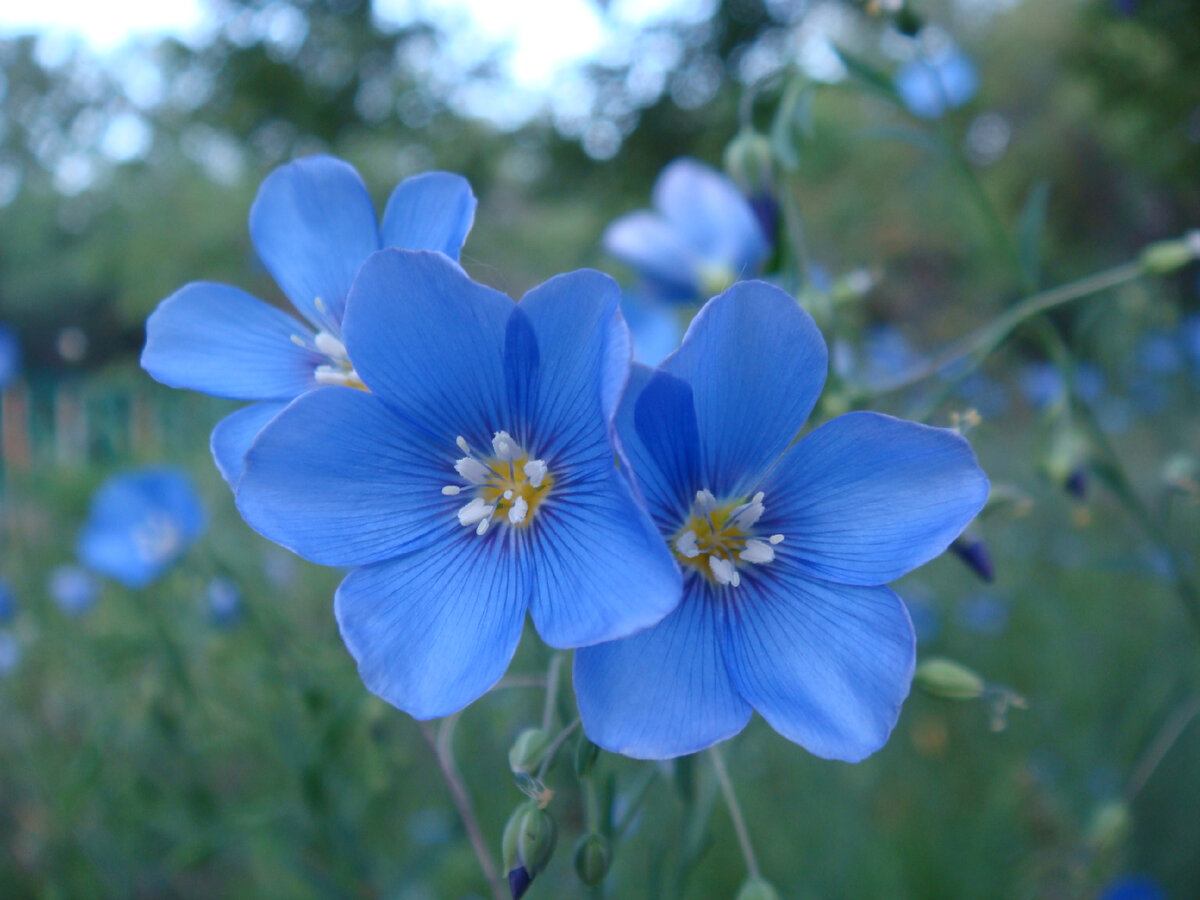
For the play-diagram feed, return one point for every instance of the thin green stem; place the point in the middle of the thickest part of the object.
(735, 812)
(637, 797)
(548, 759)
(552, 680)
(1170, 732)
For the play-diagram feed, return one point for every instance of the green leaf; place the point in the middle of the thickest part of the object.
(870, 76)
(1030, 230)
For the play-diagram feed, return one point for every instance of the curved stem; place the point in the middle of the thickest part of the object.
(552, 679)
(735, 813)
(1171, 731)
(553, 749)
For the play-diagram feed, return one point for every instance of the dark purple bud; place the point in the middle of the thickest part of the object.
(972, 550)
(518, 882)
(1077, 482)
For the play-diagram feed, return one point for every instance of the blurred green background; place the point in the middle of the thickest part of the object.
(148, 751)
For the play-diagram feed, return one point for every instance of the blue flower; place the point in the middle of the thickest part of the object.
(1133, 887)
(701, 237)
(139, 524)
(931, 85)
(8, 602)
(655, 327)
(223, 600)
(313, 225)
(785, 549)
(10, 355)
(10, 653)
(73, 589)
(1044, 386)
(474, 480)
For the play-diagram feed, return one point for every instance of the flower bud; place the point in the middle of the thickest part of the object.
(1109, 826)
(948, 679)
(526, 846)
(757, 889)
(1164, 257)
(592, 857)
(749, 162)
(973, 550)
(527, 750)
(586, 754)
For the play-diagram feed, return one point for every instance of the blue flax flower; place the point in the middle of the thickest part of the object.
(10, 652)
(932, 85)
(8, 602)
(313, 225)
(140, 523)
(73, 589)
(785, 548)
(701, 236)
(10, 355)
(473, 481)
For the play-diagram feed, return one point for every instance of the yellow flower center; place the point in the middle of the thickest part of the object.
(508, 486)
(719, 538)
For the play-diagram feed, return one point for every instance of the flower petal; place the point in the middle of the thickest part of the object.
(664, 692)
(430, 211)
(827, 665)
(655, 249)
(429, 342)
(756, 363)
(866, 498)
(434, 630)
(234, 434)
(658, 431)
(313, 225)
(340, 480)
(600, 569)
(717, 221)
(218, 339)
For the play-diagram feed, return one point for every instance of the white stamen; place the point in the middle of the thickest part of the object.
(451, 490)
(706, 501)
(336, 376)
(776, 539)
(724, 571)
(298, 341)
(482, 527)
(463, 445)
(516, 512)
(330, 345)
(320, 305)
(508, 495)
(535, 470)
(750, 513)
(504, 446)
(475, 511)
(472, 470)
(686, 544)
(757, 552)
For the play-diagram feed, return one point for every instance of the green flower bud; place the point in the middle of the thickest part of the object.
(536, 836)
(508, 843)
(527, 750)
(749, 162)
(586, 754)
(1164, 257)
(592, 857)
(1109, 827)
(757, 889)
(947, 679)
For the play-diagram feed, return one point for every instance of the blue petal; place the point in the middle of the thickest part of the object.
(828, 666)
(313, 225)
(665, 448)
(434, 630)
(234, 434)
(756, 363)
(600, 569)
(340, 480)
(656, 250)
(655, 327)
(220, 340)
(664, 692)
(430, 211)
(714, 217)
(866, 498)
(429, 342)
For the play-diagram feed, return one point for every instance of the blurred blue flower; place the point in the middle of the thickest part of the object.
(313, 225)
(1133, 887)
(73, 589)
(475, 481)
(934, 84)
(701, 237)
(1189, 338)
(10, 653)
(983, 614)
(223, 600)
(785, 549)
(139, 524)
(8, 602)
(655, 326)
(1158, 353)
(1044, 386)
(10, 355)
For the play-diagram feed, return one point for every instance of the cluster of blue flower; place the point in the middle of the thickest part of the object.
(472, 459)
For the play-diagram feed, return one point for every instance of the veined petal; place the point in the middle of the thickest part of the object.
(234, 434)
(313, 225)
(218, 339)
(756, 363)
(430, 211)
(827, 665)
(429, 342)
(664, 692)
(599, 568)
(655, 249)
(716, 219)
(340, 480)
(658, 431)
(434, 630)
(866, 498)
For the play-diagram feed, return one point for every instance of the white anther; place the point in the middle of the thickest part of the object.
(757, 552)
(320, 305)
(451, 490)
(686, 544)
(336, 376)
(517, 512)
(472, 470)
(724, 571)
(330, 346)
(299, 341)
(750, 514)
(504, 446)
(463, 445)
(482, 527)
(475, 511)
(508, 495)
(706, 501)
(776, 539)
(535, 470)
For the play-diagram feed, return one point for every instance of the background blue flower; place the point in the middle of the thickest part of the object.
(931, 85)
(10, 355)
(10, 652)
(139, 524)
(313, 225)
(474, 481)
(73, 589)
(223, 600)
(8, 602)
(785, 551)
